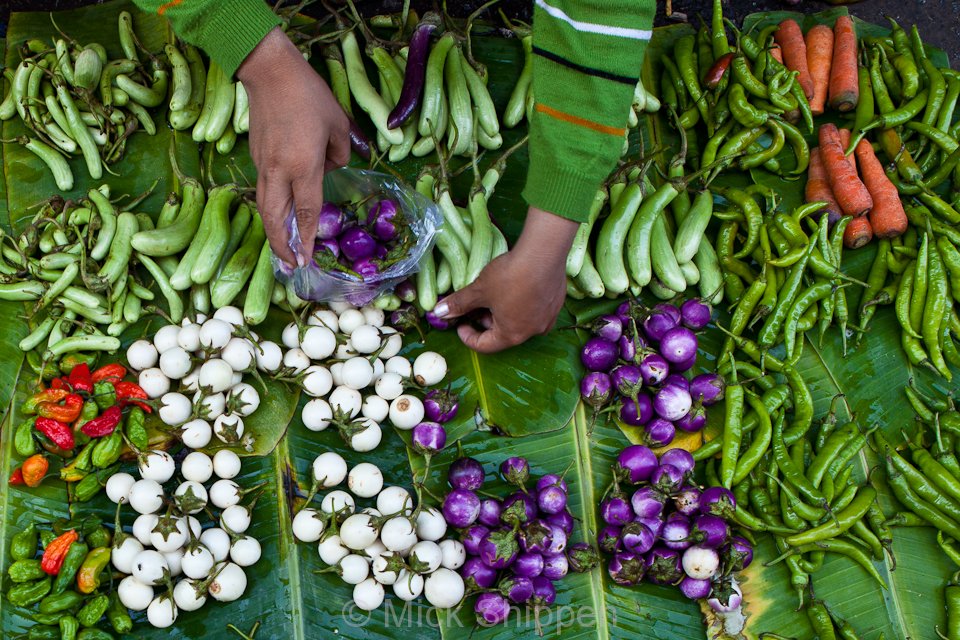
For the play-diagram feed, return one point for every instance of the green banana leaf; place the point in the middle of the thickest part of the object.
(527, 398)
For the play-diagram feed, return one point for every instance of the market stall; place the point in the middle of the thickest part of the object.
(284, 469)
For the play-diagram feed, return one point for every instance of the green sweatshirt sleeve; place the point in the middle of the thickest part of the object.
(227, 30)
(587, 59)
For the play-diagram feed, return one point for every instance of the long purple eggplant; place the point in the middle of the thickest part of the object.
(359, 141)
(416, 71)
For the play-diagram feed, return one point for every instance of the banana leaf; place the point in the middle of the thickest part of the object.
(525, 399)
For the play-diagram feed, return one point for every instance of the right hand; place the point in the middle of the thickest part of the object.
(297, 132)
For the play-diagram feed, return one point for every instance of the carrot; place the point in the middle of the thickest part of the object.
(887, 216)
(818, 186)
(776, 53)
(850, 192)
(858, 233)
(790, 39)
(845, 140)
(844, 89)
(819, 44)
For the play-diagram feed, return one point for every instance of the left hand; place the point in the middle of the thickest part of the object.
(520, 293)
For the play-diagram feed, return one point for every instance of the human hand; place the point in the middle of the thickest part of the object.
(297, 132)
(520, 293)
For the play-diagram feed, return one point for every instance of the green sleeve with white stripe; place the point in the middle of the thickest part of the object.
(586, 63)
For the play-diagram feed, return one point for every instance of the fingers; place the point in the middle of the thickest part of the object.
(488, 341)
(461, 302)
(338, 149)
(308, 199)
(274, 200)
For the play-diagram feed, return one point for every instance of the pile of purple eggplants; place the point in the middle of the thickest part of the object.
(517, 547)
(669, 531)
(361, 241)
(637, 363)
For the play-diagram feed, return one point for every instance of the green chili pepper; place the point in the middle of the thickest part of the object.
(25, 571)
(71, 564)
(118, 616)
(136, 430)
(28, 593)
(771, 328)
(732, 431)
(951, 595)
(920, 282)
(69, 627)
(790, 470)
(43, 632)
(91, 612)
(934, 310)
(65, 601)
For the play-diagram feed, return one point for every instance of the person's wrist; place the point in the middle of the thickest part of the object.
(547, 235)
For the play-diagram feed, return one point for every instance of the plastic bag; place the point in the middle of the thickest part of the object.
(311, 282)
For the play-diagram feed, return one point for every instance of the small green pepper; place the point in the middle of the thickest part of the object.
(104, 395)
(28, 593)
(80, 466)
(23, 545)
(94, 634)
(136, 430)
(107, 450)
(69, 626)
(118, 615)
(99, 537)
(86, 488)
(71, 360)
(93, 610)
(65, 601)
(71, 564)
(46, 537)
(25, 571)
(88, 577)
(43, 632)
(46, 618)
(23, 440)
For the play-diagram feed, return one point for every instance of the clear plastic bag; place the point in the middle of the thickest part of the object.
(311, 282)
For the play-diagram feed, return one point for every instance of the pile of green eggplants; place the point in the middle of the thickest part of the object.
(75, 100)
(90, 269)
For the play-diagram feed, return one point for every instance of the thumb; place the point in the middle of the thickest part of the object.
(461, 302)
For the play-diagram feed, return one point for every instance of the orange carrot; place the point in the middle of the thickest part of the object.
(818, 186)
(844, 88)
(887, 216)
(776, 53)
(850, 192)
(819, 44)
(845, 141)
(790, 39)
(858, 233)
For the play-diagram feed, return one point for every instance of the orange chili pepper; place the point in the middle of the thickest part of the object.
(48, 395)
(67, 412)
(34, 470)
(109, 371)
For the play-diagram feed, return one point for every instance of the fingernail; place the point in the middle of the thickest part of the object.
(441, 310)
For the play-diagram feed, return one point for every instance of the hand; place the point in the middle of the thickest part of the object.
(520, 293)
(297, 132)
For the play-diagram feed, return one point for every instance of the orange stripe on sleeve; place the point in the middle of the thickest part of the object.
(167, 5)
(577, 120)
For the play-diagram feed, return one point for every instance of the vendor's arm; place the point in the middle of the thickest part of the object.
(297, 129)
(587, 58)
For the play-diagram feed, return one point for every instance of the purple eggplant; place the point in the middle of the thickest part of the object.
(625, 312)
(518, 508)
(489, 512)
(383, 220)
(472, 536)
(564, 520)
(725, 597)
(551, 480)
(415, 73)
(555, 567)
(515, 470)
(544, 593)
(653, 369)
(440, 405)
(599, 354)
(737, 554)
(429, 438)
(359, 142)
(647, 502)
(535, 537)
(707, 389)
(718, 501)
(687, 500)
(491, 609)
(695, 420)
(636, 412)
(695, 589)
(596, 388)
(356, 243)
(516, 588)
(667, 478)
(629, 345)
(680, 458)
(558, 541)
(435, 321)
(695, 314)
(635, 463)
(654, 524)
(663, 565)
(662, 319)
(366, 268)
(608, 327)
(461, 508)
(552, 500)
(609, 539)
(477, 574)
(626, 379)
(527, 564)
(329, 221)
(636, 538)
(710, 531)
(616, 510)
(465, 473)
(626, 569)
(499, 549)
(686, 365)
(658, 433)
(581, 557)
(672, 403)
(407, 292)
(329, 246)
(676, 532)
(677, 380)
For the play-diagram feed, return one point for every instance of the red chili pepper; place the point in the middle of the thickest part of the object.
(59, 433)
(16, 477)
(67, 412)
(109, 372)
(715, 73)
(56, 552)
(59, 383)
(129, 392)
(48, 395)
(104, 424)
(80, 378)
